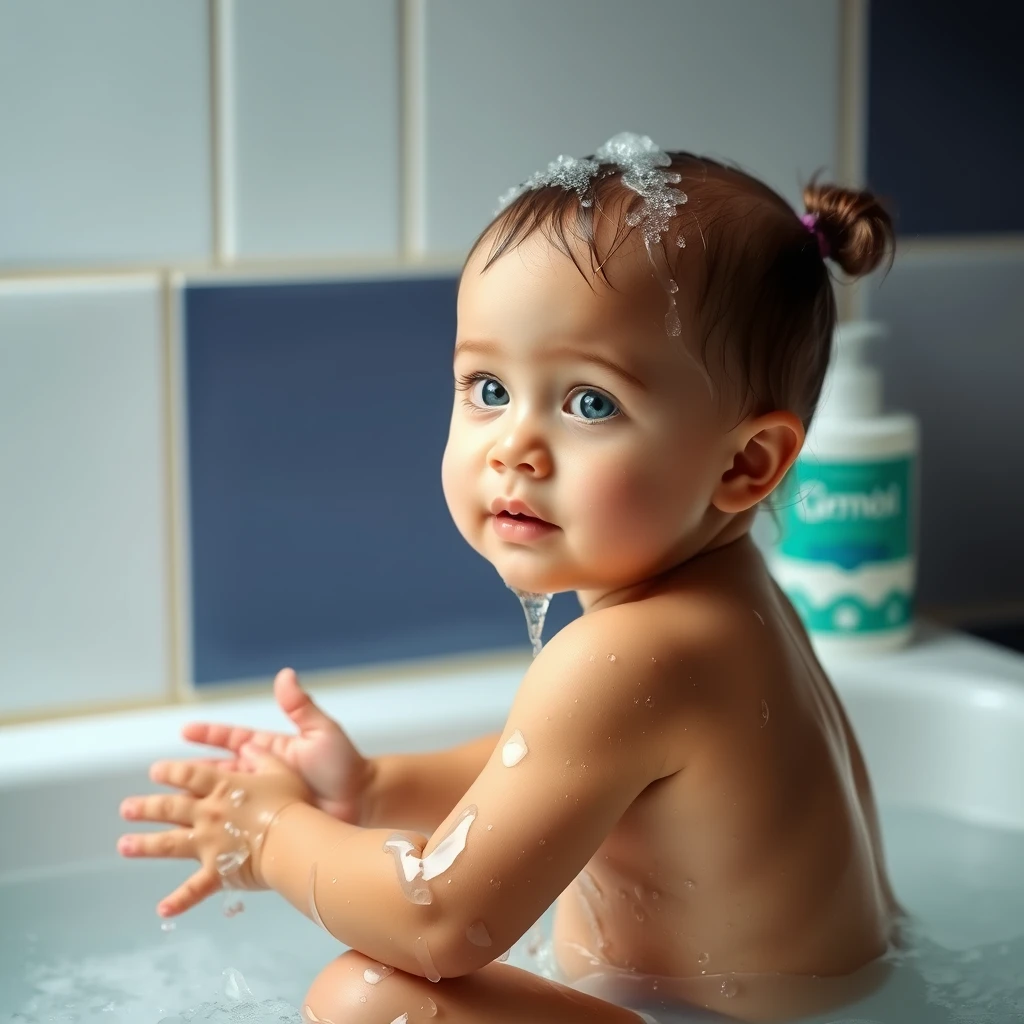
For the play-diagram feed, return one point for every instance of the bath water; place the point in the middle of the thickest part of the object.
(86, 946)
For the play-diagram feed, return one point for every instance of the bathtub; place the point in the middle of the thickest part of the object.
(941, 725)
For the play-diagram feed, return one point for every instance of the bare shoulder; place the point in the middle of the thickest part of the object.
(632, 672)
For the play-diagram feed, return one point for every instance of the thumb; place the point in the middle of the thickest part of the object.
(293, 700)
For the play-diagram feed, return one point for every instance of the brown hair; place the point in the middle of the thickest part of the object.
(765, 301)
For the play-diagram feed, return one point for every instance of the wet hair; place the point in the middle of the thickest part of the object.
(765, 303)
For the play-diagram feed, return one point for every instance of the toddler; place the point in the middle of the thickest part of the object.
(641, 343)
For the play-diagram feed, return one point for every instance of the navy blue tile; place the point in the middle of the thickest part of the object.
(945, 95)
(317, 417)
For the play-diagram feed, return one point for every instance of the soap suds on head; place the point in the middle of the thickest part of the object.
(640, 162)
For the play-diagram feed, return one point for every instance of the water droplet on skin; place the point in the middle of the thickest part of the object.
(764, 713)
(514, 751)
(375, 975)
(649, 702)
(504, 956)
(703, 958)
(490, 828)
(730, 988)
(758, 614)
(611, 657)
(478, 934)
(362, 999)
(423, 956)
(496, 882)
(313, 912)
(543, 842)
(690, 884)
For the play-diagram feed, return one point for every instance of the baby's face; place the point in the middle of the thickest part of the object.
(573, 401)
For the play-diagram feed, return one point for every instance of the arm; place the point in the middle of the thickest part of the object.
(418, 791)
(592, 748)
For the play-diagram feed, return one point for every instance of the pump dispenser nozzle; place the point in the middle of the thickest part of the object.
(853, 387)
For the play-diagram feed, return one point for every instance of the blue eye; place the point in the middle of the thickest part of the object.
(592, 405)
(493, 393)
(483, 390)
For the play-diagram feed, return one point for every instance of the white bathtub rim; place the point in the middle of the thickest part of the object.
(943, 668)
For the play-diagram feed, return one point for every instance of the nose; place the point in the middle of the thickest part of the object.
(522, 448)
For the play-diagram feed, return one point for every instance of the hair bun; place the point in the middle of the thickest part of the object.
(855, 225)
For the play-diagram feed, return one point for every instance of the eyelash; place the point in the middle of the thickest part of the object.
(465, 382)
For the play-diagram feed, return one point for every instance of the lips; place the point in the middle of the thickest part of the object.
(513, 508)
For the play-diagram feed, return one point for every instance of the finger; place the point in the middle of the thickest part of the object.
(297, 704)
(172, 842)
(198, 779)
(205, 882)
(230, 737)
(172, 808)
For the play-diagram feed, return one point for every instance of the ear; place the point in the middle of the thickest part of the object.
(766, 446)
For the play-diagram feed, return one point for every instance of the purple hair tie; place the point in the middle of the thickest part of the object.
(810, 221)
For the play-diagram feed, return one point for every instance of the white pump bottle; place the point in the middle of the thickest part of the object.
(848, 518)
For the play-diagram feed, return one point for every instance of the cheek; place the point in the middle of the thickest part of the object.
(643, 493)
(457, 481)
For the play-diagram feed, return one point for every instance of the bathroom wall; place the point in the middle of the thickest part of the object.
(229, 236)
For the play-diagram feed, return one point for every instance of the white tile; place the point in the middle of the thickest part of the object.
(507, 87)
(956, 359)
(83, 537)
(104, 131)
(309, 96)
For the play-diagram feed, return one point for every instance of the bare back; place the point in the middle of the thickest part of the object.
(745, 856)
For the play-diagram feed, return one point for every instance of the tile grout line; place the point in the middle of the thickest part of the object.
(221, 21)
(853, 84)
(175, 511)
(410, 128)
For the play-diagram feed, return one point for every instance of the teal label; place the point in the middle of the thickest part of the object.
(849, 613)
(847, 513)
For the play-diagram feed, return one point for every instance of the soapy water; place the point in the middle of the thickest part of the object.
(86, 946)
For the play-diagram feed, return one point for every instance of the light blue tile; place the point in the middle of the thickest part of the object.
(311, 127)
(104, 131)
(956, 359)
(83, 538)
(508, 87)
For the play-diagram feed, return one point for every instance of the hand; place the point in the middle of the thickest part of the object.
(222, 818)
(321, 753)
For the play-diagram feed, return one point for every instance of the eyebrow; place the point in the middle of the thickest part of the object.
(490, 348)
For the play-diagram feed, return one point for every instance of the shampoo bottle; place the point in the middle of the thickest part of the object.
(847, 515)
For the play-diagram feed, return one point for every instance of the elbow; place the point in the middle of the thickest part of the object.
(447, 951)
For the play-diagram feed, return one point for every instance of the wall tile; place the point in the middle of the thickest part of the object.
(956, 358)
(83, 539)
(504, 92)
(946, 85)
(317, 416)
(105, 128)
(310, 102)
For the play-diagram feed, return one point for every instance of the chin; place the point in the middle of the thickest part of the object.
(536, 579)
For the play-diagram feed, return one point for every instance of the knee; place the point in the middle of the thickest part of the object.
(345, 992)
